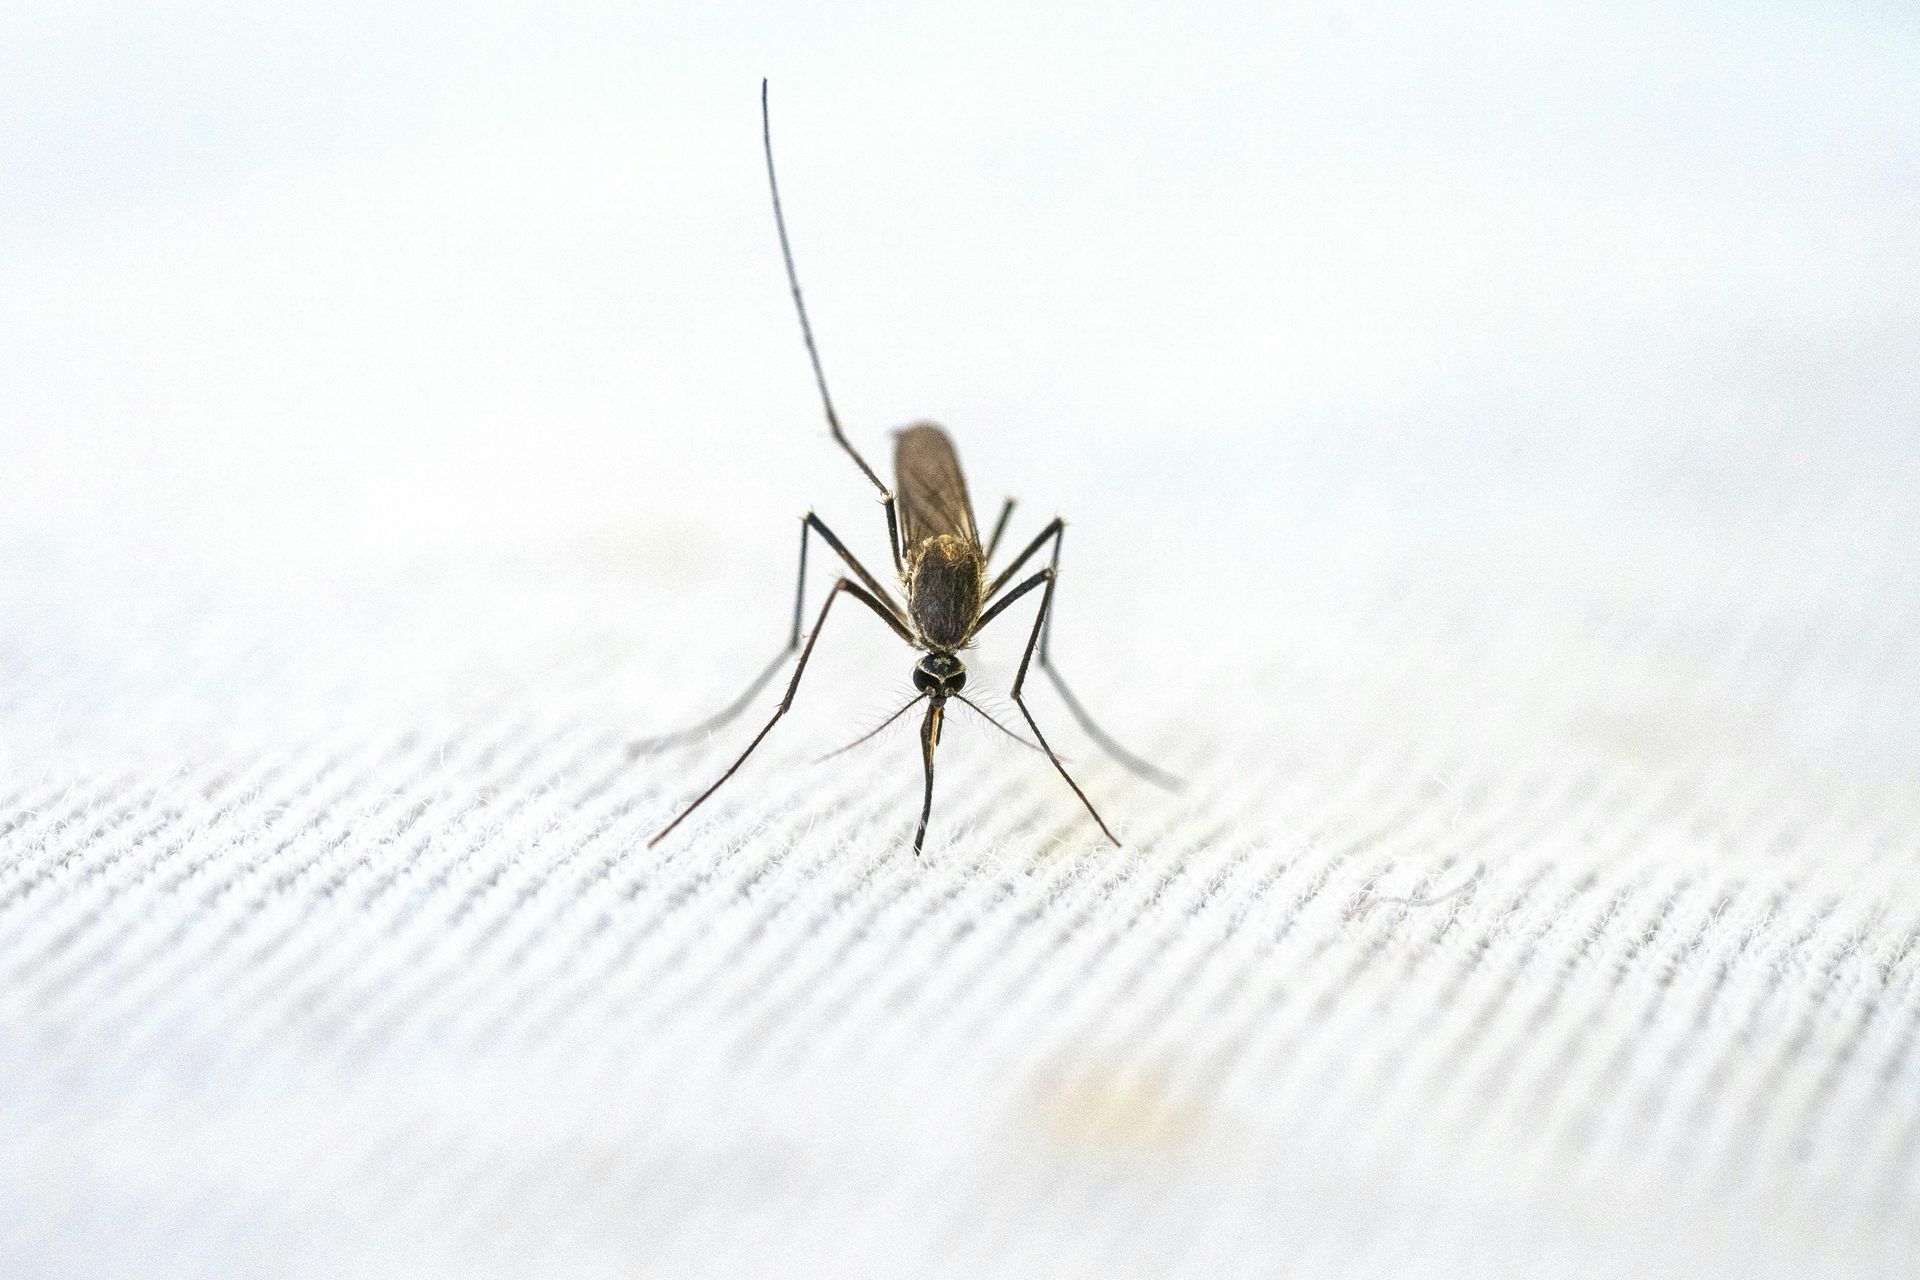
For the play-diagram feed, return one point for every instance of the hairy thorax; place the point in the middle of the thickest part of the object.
(946, 579)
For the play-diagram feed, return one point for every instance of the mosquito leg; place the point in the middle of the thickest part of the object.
(872, 583)
(1045, 576)
(999, 527)
(813, 350)
(857, 592)
(893, 537)
(1157, 776)
(809, 524)
(1055, 527)
(1152, 773)
(1056, 531)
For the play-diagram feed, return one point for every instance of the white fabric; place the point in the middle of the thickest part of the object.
(1491, 476)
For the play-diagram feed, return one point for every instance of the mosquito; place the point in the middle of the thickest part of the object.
(943, 571)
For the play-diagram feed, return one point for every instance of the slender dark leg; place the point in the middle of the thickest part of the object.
(929, 739)
(872, 583)
(809, 523)
(1152, 773)
(1001, 605)
(999, 527)
(1020, 679)
(1057, 530)
(1157, 776)
(1055, 527)
(813, 348)
(857, 592)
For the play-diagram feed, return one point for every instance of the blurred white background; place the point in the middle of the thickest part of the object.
(322, 283)
(1459, 409)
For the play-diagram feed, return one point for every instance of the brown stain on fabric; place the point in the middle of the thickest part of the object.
(1105, 1109)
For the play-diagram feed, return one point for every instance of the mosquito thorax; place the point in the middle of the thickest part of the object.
(940, 673)
(945, 582)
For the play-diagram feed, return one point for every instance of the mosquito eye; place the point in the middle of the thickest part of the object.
(924, 680)
(957, 681)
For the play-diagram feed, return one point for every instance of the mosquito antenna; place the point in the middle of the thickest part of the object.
(873, 732)
(799, 305)
(982, 713)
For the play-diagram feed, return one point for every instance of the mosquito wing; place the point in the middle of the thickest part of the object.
(929, 489)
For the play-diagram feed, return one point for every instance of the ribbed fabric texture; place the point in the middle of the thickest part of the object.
(1543, 911)
(1487, 436)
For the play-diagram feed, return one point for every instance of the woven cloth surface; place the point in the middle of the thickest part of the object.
(332, 940)
(1506, 528)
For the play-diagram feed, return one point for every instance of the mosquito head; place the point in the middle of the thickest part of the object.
(940, 674)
